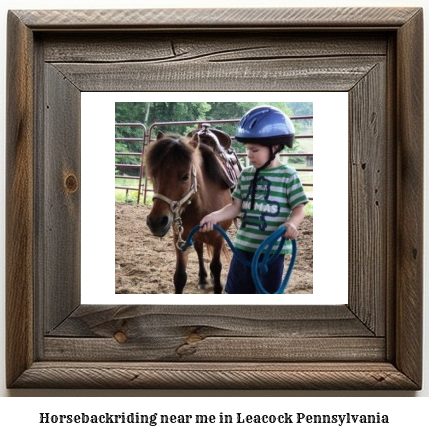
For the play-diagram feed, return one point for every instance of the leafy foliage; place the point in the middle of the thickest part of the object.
(148, 113)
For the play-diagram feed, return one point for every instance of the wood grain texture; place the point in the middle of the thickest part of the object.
(194, 348)
(158, 48)
(19, 192)
(214, 333)
(151, 19)
(60, 166)
(368, 202)
(372, 343)
(237, 321)
(391, 193)
(410, 199)
(303, 74)
(250, 376)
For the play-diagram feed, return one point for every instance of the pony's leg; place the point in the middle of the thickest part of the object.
(216, 268)
(202, 273)
(180, 275)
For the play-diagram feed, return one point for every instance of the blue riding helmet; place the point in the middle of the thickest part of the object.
(266, 125)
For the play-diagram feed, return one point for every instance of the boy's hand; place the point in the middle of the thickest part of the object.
(206, 224)
(296, 218)
(229, 212)
(291, 231)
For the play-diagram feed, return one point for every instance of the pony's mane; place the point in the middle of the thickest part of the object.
(174, 150)
(213, 168)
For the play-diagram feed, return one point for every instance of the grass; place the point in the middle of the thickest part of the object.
(121, 196)
(306, 146)
(124, 195)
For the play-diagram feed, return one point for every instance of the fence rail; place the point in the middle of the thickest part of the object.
(138, 166)
(142, 183)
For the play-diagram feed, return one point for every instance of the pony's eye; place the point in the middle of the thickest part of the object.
(184, 178)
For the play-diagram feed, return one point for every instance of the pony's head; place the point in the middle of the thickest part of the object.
(170, 162)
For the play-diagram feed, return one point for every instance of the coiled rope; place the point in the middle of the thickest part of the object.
(258, 267)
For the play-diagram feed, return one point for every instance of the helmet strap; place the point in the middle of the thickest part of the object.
(254, 181)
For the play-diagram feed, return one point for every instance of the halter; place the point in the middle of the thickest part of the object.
(176, 207)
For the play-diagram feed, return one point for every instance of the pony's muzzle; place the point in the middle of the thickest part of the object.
(159, 226)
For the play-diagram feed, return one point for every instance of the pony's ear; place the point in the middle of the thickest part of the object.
(160, 135)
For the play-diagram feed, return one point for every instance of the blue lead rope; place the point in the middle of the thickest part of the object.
(257, 267)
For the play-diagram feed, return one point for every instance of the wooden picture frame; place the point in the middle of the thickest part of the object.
(373, 342)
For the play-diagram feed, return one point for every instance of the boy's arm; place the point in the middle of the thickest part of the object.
(229, 212)
(292, 224)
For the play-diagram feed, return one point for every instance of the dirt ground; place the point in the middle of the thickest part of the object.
(145, 264)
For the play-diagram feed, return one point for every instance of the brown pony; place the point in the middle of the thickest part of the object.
(189, 183)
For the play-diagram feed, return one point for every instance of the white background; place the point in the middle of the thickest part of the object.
(408, 414)
(330, 251)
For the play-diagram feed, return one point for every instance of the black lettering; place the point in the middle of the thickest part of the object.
(239, 419)
(44, 418)
(205, 419)
(300, 417)
(288, 418)
(225, 419)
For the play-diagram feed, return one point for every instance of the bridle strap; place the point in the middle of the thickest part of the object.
(176, 206)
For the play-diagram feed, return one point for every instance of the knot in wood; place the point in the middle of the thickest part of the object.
(193, 338)
(71, 183)
(120, 337)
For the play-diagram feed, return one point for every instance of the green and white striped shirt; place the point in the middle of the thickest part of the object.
(278, 192)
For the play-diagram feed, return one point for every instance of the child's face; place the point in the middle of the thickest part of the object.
(257, 154)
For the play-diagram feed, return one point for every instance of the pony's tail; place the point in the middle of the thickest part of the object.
(225, 252)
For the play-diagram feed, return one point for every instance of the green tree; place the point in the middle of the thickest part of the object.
(159, 112)
(148, 113)
(301, 108)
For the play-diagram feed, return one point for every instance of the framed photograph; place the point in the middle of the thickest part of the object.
(144, 265)
(373, 341)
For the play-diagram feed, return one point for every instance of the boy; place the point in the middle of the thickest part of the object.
(268, 194)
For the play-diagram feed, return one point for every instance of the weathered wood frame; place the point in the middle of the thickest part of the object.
(374, 342)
